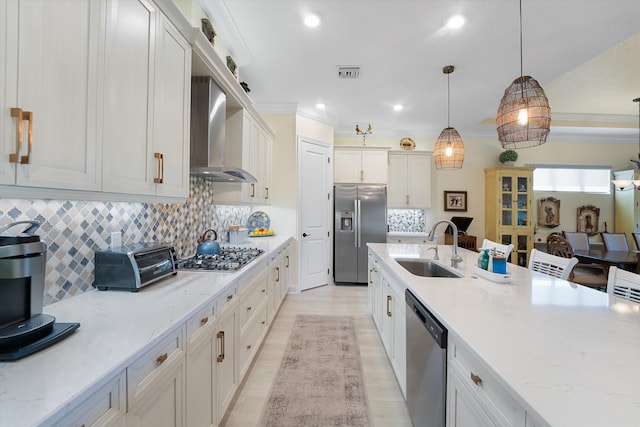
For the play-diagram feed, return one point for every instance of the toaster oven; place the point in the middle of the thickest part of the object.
(134, 266)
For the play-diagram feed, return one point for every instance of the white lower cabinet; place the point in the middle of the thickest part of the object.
(386, 301)
(201, 373)
(226, 344)
(278, 282)
(104, 408)
(475, 396)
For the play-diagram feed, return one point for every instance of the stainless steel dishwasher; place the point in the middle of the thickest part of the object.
(426, 365)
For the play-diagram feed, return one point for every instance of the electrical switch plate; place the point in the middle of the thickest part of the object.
(116, 239)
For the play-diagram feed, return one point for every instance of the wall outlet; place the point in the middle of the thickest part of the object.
(116, 239)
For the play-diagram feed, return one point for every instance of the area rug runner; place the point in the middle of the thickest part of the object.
(320, 380)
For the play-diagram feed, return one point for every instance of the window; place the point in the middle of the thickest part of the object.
(576, 179)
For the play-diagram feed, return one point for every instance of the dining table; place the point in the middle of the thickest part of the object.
(626, 260)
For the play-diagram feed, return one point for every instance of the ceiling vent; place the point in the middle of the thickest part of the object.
(348, 72)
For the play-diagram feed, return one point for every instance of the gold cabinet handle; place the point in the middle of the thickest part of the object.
(253, 190)
(22, 116)
(159, 179)
(229, 297)
(388, 309)
(277, 274)
(361, 175)
(266, 191)
(407, 196)
(220, 336)
(249, 347)
(287, 266)
(476, 379)
(264, 290)
(264, 321)
(162, 358)
(249, 308)
(204, 320)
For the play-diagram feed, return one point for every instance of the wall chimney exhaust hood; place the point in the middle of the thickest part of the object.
(208, 138)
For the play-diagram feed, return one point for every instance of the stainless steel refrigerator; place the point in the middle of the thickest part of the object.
(360, 217)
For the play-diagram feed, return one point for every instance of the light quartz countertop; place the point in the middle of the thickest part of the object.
(568, 354)
(115, 329)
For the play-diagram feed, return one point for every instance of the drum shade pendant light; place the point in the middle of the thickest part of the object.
(449, 149)
(621, 184)
(524, 116)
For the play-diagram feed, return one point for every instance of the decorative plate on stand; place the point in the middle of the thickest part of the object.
(407, 144)
(258, 220)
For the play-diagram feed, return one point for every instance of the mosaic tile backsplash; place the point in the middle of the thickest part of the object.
(74, 230)
(406, 220)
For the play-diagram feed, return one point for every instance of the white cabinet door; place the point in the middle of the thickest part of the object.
(462, 409)
(347, 166)
(397, 194)
(409, 180)
(264, 164)
(227, 370)
(399, 349)
(386, 332)
(375, 164)
(171, 112)
(51, 56)
(128, 96)
(162, 405)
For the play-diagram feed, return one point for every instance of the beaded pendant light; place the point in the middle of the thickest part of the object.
(524, 116)
(449, 149)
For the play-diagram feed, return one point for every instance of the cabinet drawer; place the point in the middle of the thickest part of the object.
(251, 338)
(142, 373)
(200, 323)
(105, 407)
(227, 299)
(251, 301)
(495, 400)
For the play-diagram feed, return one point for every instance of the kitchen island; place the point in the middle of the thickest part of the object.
(119, 330)
(567, 355)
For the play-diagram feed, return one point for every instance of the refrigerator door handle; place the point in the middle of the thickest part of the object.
(355, 223)
(359, 229)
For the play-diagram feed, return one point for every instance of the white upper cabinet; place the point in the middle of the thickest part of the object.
(51, 72)
(360, 165)
(95, 98)
(409, 180)
(146, 106)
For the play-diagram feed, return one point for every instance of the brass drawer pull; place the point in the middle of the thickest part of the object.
(22, 116)
(388, 309)
(253, 190)
(229, 297)
(287, 266)
(266, 190)
(204, 320)
(278, 274)
(220, 336)
(476, 379)
(264, 290)
(159, 179)
(249, 347)
(264, 321)
(162, 358)
(249, 308)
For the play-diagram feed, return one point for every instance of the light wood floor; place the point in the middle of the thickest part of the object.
(385, 398)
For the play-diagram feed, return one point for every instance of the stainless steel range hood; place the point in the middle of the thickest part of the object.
(208, 138)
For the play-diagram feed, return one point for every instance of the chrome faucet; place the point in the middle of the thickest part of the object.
(435, 249)
(455, 258)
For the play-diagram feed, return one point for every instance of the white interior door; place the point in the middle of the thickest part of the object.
(315, 205)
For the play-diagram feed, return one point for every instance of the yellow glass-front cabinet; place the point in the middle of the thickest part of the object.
(509, 210)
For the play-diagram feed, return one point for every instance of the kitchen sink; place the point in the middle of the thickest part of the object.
(426, 268)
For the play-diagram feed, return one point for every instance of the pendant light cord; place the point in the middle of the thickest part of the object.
(638, 101)
(521, 67)
(449, 104)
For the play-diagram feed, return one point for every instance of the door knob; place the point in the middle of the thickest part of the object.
(305, 234)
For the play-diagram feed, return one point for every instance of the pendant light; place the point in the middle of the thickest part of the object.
(449, 149)
(621, 184)
(524, 116)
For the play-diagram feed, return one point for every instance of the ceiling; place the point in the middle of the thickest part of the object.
(584, 53)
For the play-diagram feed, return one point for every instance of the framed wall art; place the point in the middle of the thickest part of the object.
(455, 201)
(549, 212)
(588, 217)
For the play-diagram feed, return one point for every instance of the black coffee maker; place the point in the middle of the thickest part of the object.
(24, 329)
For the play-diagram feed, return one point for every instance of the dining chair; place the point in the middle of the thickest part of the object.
(579, 240)
(499, 247)
(615, 242)
(552, 265)
(589, 275)
(636, 239)
(624, 284)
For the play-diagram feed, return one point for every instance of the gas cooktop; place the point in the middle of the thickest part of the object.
(229, 259)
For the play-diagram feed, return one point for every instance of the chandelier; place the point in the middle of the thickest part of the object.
(449, 149)
(524, 116)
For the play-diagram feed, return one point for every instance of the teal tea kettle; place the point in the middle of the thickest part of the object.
(207, 245)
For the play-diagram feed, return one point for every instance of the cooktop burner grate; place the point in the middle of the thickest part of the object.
(228, 260)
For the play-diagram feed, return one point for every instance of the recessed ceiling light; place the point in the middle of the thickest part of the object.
(455, 22)
(320, 106)
(312, 21)
(398, 107)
